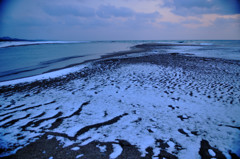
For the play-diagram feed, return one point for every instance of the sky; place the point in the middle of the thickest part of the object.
(120, 19)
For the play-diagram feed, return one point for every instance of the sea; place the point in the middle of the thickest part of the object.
(21, 59)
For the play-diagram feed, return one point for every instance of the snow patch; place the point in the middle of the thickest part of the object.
(117, 150)
(102, 148)
(211, 152)
(75, 148)
(144, 92)
(79, 156)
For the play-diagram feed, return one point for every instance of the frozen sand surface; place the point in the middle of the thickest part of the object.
(177, 102)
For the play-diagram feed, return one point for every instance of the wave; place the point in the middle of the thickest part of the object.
(25, 43)
(60, 60)
(20, 70)
(41, 65)
(44, 76)
(207, 44)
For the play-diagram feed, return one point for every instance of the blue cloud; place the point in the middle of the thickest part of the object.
(191, 22)
(149, 16)
(108, 11)
(192, 7)
(220, 22)
(63, 10)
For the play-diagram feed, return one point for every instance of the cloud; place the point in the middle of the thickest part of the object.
(108, 11)
(193, 7)
(149, 16)
(192, 21)
(227, 23)
(66, 10)
(133, 19)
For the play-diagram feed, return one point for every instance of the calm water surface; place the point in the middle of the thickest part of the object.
(23, 61)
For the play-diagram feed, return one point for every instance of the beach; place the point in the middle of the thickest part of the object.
(137, 104)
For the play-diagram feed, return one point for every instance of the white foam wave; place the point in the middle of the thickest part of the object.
(22, 43)
(49, 75)
(206, 43)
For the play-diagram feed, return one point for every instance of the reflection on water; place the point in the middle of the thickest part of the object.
(29, 60)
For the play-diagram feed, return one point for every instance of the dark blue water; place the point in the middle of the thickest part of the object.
(29, 60)
(23, 61)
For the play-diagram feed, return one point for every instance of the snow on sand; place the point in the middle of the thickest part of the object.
(164, 105)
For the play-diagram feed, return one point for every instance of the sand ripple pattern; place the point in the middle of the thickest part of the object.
(162, 105)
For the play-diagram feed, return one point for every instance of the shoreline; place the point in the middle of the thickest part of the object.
(130, 105)
(131, 51)
(140, 48)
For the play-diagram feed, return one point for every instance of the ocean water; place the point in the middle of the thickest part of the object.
(24, 59)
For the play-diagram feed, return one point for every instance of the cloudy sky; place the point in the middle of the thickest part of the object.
(120, 19)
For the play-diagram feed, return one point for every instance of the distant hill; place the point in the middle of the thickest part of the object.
(12, 39)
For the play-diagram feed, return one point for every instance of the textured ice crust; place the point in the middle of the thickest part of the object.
(140, 103)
